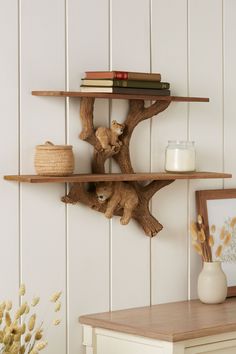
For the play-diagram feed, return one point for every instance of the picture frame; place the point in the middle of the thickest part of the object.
(218, 210)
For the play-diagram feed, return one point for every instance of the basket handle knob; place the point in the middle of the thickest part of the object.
(48, 143)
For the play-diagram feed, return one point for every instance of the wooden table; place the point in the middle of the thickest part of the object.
(187, 327)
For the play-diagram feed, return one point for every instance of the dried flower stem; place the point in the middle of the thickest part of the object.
(19, 333)
(204, 242)
(201, 240)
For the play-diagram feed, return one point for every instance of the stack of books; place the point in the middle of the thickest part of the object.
(125, 82)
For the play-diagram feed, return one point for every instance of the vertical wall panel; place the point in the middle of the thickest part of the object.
(99, 264)
(88, 231)
(169, 57)
(229, 90)
(9, 148)
(130, 247)
(206, 121)
(43, 215)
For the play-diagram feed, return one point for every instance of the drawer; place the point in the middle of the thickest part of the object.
(224, 347)
(111, 345)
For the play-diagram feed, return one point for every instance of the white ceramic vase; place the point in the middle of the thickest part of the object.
(212, 283)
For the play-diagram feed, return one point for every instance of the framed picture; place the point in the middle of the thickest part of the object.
(218, 210)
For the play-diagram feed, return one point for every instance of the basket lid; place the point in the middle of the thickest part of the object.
(50, 146)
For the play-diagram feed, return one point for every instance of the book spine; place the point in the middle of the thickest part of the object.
(125, 90)
(97, 82)
(122, 75)
(143, 76)
(99, 75)
(139, 91)
(96, 89)
(141, 84)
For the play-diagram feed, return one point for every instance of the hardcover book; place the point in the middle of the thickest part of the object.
(122, 75)
(125, 90)
(126, 83)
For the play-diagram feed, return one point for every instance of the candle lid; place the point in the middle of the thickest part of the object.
(181, 143)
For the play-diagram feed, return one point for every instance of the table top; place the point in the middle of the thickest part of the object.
(171, 322)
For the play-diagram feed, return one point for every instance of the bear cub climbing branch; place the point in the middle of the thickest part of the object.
(109, 138)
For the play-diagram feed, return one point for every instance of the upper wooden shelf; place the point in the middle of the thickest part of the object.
(119, 96)
(116, 177)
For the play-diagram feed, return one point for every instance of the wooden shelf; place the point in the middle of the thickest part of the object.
(119, 96)
(142, 194)
(115, 177)
(189, 320)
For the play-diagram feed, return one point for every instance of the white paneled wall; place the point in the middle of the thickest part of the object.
(205, 121)
(9, 152)
(130, 271)
(88, 236)
(99, 264)
(171, 203)
(42, 61)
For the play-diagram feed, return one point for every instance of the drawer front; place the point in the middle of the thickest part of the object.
(225, 347)
(111, 345)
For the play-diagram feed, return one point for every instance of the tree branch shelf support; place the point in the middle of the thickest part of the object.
(136, 114)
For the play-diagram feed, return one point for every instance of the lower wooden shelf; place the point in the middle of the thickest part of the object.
(116, 177)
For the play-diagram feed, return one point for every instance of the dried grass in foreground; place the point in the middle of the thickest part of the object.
(20, 332)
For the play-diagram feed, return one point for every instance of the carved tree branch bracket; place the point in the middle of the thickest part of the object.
(78, 191)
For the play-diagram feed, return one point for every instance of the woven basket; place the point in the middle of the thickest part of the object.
(54, 160)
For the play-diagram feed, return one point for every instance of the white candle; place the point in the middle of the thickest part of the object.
(180, 156)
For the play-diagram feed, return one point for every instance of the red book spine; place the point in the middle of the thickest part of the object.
(121, 75)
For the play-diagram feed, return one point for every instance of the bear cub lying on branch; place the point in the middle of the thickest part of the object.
(120, 195)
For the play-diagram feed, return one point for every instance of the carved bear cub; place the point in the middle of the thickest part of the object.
(119, 195)
(109, 138)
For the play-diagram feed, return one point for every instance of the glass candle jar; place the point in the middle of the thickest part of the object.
(180, 156)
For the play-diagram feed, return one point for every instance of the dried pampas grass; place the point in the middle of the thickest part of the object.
(55, 296)
(197, 248)
(211, 241)
(199, 239)
(19, 332)
(204, 243)
(219, 251)
(227, 238)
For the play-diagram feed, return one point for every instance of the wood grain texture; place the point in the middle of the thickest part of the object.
(171, 322)
(121, 154)
(118, 96)
(116, 177)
